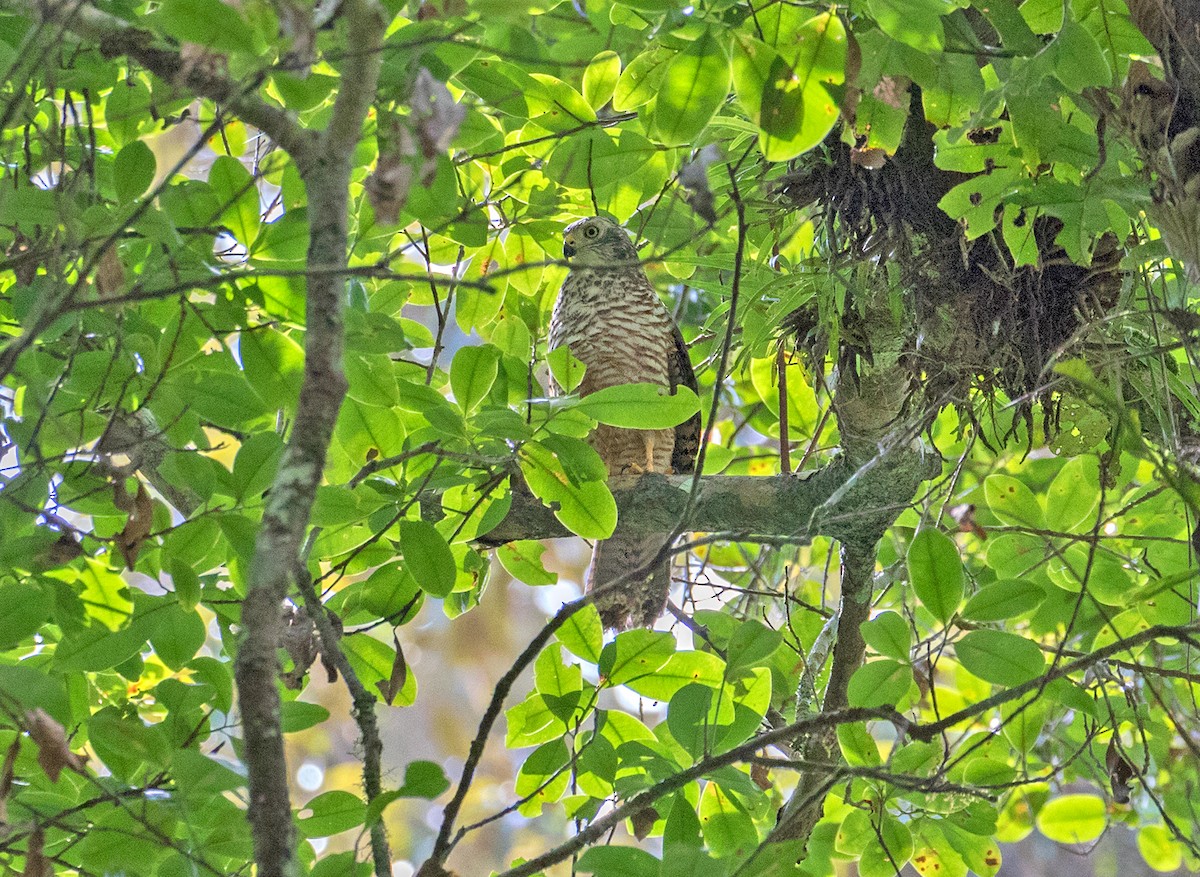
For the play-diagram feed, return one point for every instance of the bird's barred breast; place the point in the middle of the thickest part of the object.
(616, 326)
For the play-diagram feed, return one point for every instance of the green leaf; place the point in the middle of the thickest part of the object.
(255, 465)
(105, 596)
(553, 677)
(586, 508)
(330, 813)
(936, 573)
(635, 653)
(186, 582)
(582, 634)
(682, 668)
(1078, 60)
(889, 847)
(557, 106)
(133, 170)
(785, 91)
(566, 370)
(888, 634)
(728, 829)
(600, 78)
(178, 635)
(126, 110)
(695, 718)
(616, 861)
(1014, 30)
(126, 744)
(1023, 721)
(472, 374)
(523, 561)
(423, 779)
(300, 715)
(208, 23)
(640, 406)
(640, 81)
(532, 722)
(858, 746)
(683, 853)
(955, 97)
(26, 606)
(916, 23)
(1104, 575)
(32, 688)
(541, 778)
(974, 201)
(389, 591)
(1043, 16)
(880, 683)
(1013, 555)
(238, 197)
(751, 644)
(372, 381)
(1012, 502)
(1073, 495)
(373, 661)
(999, 657)
(1159, 848)
(1073, 819)
(1004, 599)
(428, 557)
(693, 88)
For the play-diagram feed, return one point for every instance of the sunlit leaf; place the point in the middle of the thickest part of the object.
(692, 89)
(1073, 818)
(936, 573)
(999, 657)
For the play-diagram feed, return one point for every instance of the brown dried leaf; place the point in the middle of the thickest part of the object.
(299, 640)
(871, 157)
(399, 675)
(437, 115)
(693, 176)
(110, 273)
(138, 525)
(964, 516)
(1120, 771)
(53, 751)
(893, 91)
(761, 775)
(643, 821)
(6, 778)
(388, 185)
(58, 553)
(22, 259)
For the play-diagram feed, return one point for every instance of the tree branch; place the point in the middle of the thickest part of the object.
(788, 506)
(326, 175)
(364, 711)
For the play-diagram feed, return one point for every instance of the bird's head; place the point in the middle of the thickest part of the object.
(598, 241)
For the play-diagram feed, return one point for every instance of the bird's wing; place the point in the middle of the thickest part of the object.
(687, 434)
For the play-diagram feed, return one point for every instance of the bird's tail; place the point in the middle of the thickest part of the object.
(637, 600)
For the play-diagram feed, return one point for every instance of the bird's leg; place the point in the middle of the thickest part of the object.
(648, 441)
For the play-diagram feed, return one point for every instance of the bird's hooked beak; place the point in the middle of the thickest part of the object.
(568, 248)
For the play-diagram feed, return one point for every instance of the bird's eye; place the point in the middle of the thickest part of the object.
(591, 231)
